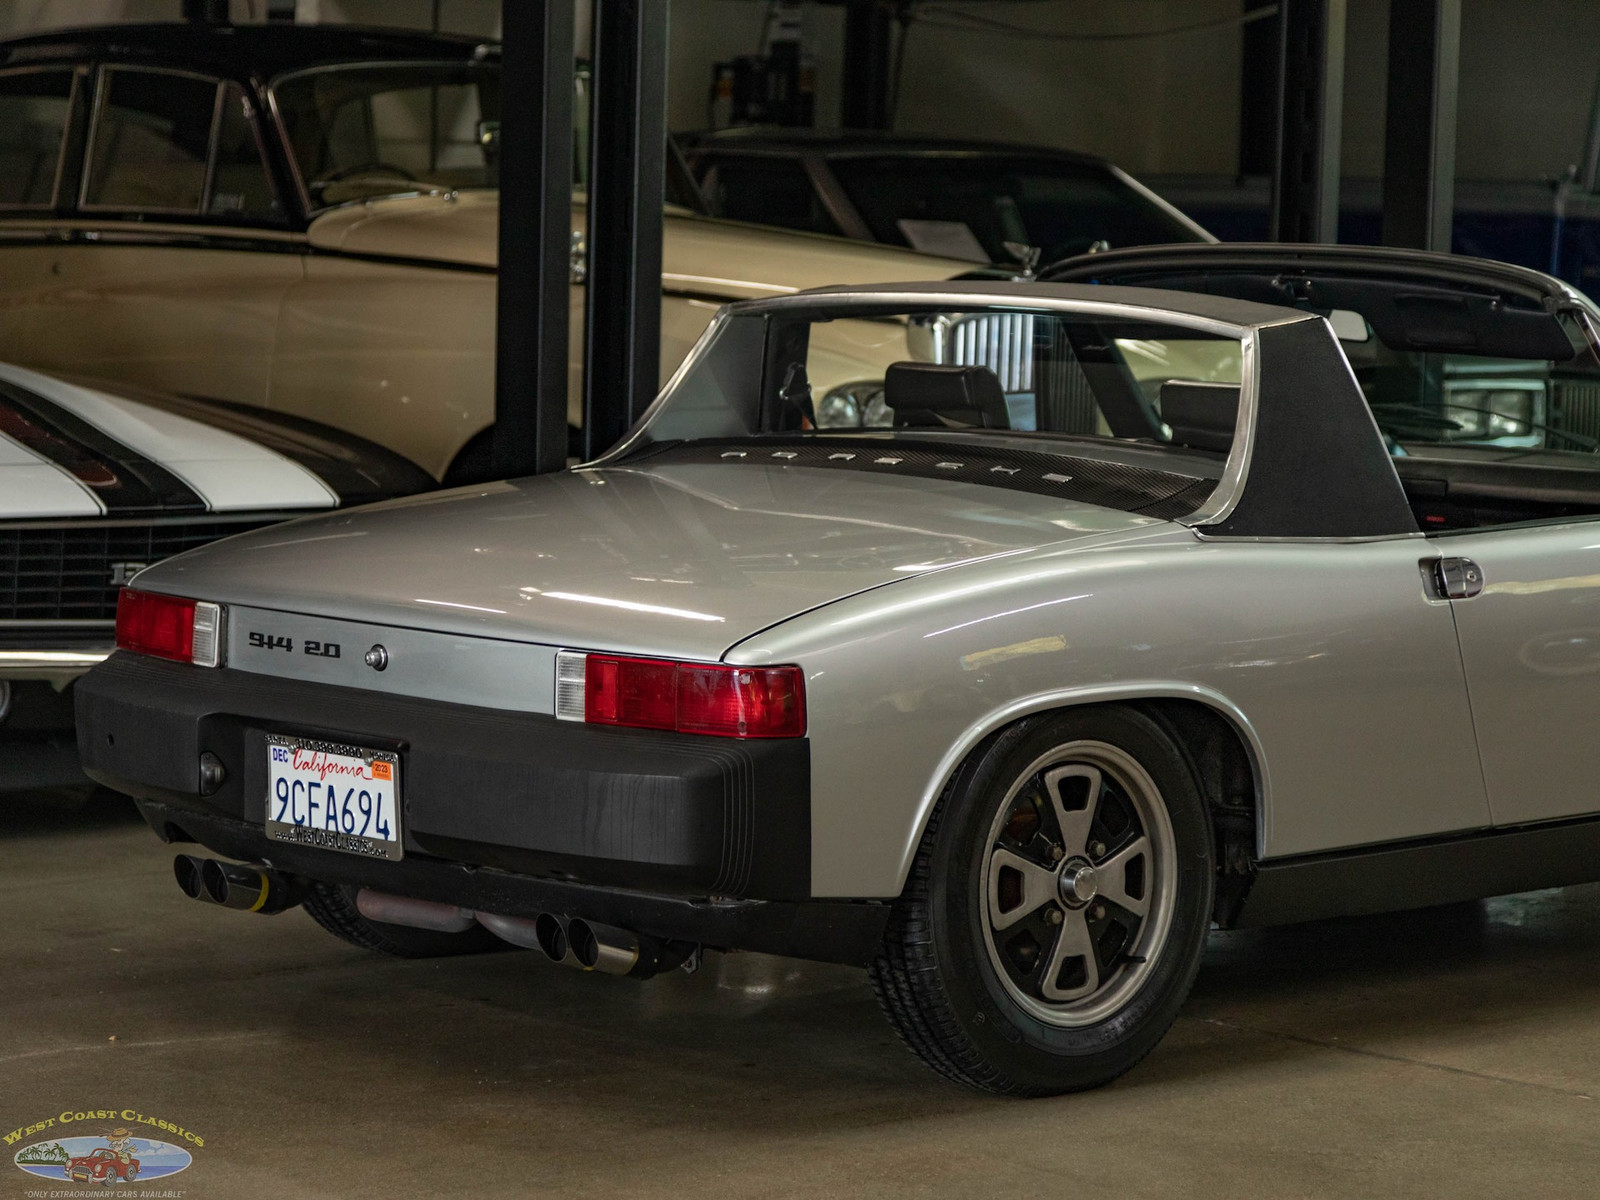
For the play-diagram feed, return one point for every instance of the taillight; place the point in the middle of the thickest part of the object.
(651, 693)
(187, 631)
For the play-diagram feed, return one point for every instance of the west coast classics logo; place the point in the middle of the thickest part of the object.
(105, 1146)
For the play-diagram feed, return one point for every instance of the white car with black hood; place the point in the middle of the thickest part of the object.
(98, 482)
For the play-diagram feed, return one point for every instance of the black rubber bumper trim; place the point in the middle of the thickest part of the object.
(673, 813)
(840, 931)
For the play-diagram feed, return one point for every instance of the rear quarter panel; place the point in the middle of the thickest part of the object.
(1343, 678)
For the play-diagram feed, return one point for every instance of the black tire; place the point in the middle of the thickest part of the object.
(474, 463)
(333, 906)
(949, 982)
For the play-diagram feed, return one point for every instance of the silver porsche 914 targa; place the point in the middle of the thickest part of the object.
(1002, 641)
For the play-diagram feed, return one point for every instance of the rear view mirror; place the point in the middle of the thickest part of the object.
(1348, 325)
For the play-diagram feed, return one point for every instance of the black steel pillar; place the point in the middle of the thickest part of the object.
(865, 86)
(209, 12)
(1419, 149)
(1305, 178)
(535, 160)
(627, 163)
(1260, 80)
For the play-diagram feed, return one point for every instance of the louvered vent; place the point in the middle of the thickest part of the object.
(1579, 406)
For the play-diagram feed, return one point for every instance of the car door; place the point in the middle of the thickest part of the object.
(1527, 611)
(168, 260)
(1487, 387)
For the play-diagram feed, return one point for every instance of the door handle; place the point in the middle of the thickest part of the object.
(1457, 578)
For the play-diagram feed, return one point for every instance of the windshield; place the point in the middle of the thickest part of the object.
(1043, 401)
(971, 205)
(974, 372)
(1431, 398)
(364, 130)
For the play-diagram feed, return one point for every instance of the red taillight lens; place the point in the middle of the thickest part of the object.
(159, 625)
(649, 693)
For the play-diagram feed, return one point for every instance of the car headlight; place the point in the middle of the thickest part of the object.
(1510, 413)
(1468, 409)
(839, 410)
(854, 406)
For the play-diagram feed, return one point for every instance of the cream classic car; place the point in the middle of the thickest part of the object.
(304, 219)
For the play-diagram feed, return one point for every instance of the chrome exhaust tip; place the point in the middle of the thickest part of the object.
(186, 869)
(603, 948)
(551, 933)
(542, 934)
(249, 889)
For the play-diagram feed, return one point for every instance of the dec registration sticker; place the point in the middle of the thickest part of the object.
(334, 797)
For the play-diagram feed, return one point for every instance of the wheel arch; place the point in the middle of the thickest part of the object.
(1214, 733)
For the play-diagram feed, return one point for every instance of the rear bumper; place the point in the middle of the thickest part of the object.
(838, 931)
(685, 837)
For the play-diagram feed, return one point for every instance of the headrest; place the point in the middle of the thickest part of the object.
(930, 394)
(1202, 416)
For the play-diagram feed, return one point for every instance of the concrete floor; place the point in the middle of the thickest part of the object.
(1454, 1052)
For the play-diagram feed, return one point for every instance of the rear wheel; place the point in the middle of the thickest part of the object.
(1057, 907)
(333, 906)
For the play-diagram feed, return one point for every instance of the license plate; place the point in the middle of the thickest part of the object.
(334, 797)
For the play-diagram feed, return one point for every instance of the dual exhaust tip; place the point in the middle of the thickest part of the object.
(234, 885)
(571, 941)
(574, 941)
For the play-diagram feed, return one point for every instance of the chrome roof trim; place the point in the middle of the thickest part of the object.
(1229, 491)
(1183, 309)
(690, 360)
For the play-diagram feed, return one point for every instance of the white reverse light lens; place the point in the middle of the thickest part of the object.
(571, 675)
(207, 634)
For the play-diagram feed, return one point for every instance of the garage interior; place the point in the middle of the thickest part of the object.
(1444, 1051)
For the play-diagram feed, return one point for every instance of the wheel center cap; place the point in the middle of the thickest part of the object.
(1079, 882)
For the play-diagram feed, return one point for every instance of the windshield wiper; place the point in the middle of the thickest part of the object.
(1403, 416)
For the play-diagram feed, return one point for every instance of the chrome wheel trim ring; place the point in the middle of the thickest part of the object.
(1144, 797)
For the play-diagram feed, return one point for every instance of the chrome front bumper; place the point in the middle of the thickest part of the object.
(58, 667)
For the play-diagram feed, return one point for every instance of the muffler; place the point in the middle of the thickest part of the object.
(417, 914)
(247, 888)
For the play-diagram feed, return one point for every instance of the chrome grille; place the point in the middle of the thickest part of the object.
(65, 572)
(1003, 342)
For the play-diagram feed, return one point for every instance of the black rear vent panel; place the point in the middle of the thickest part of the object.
(65, 572)
(1167, 495)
